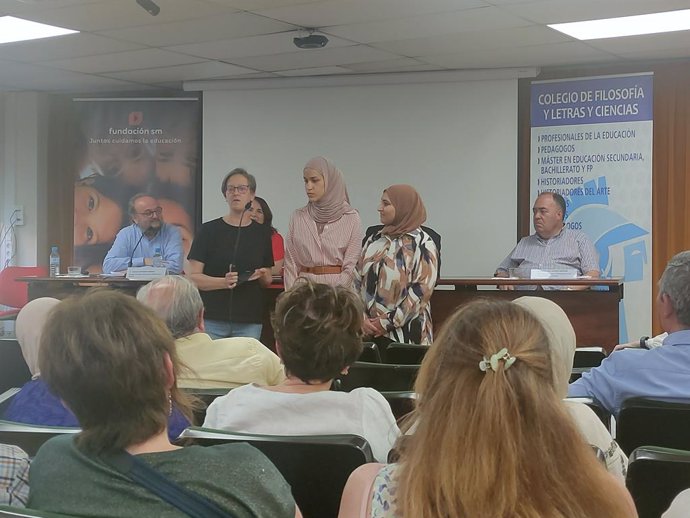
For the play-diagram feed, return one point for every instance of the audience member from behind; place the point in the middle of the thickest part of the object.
(493, 437)
(222, 363)
(35, 403)
(114, 363)
(317, 330)
(562, 343)
(14, 476)
(325, 236)
(397, 272)
(662, 372)
(262, 214)
(679, 507)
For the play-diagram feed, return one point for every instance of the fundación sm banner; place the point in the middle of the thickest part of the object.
(592, 143)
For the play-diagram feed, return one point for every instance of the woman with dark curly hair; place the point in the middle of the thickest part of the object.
(317, 328)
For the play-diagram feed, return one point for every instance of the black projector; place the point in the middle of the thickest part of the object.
(313, 41)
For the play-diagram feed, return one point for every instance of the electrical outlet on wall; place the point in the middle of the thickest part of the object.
(18, 217)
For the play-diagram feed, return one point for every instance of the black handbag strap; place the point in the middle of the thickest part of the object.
(189, 502)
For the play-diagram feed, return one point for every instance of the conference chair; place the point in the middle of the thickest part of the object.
(655, 476)
(435, 237)
(402, 402)
(653, 422)
(405, 354)
(6, 398)
(380, 376)
(13, 369)
(577, 372)
(30, 437)
(315, 466)
(603, 414)
(14, 293)
(370, 353)
(589, 357)
(204, 397)
(21, 512)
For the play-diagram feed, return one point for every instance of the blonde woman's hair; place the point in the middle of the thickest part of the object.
(496, 444)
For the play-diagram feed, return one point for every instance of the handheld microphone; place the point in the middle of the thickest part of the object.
(239, 229)
(247, 206)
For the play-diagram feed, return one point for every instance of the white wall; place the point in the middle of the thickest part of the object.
(23, 172)
(455, 142)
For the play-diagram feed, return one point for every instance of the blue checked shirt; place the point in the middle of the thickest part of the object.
(571, 248)
(14, 476)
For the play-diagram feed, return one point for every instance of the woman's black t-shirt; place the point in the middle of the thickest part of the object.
(214, 246)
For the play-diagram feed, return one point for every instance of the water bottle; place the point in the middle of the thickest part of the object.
(54, 262)
(157, 258)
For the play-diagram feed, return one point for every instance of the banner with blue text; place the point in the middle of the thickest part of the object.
(592, 143)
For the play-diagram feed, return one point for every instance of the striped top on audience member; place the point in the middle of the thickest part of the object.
(324, 237)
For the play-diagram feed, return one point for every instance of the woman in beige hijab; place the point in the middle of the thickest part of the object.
(324, 237)
(562, 343)
(397, 270)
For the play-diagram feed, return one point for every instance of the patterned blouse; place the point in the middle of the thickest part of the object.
(395, 278)
(384, 502)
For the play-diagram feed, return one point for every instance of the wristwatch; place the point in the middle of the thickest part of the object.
(643, 342)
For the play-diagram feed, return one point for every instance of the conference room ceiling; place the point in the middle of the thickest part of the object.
(123, 48)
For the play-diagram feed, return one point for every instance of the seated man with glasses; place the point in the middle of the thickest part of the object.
(145, 239)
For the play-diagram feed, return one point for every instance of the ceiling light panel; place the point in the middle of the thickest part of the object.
(17, 29)
(627, 25)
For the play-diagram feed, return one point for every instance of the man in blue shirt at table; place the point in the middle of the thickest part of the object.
(552, 244)
(136, 244)
(662, 372)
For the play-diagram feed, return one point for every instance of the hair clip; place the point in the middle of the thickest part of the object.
(492, 363)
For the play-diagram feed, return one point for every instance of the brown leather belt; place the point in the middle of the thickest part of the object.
(321, 270)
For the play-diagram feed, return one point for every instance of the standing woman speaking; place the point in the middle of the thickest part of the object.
(397, 271)
(230, 262)
(323, 242)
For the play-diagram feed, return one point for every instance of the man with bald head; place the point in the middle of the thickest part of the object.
(136, 245)
(552, 245)
(221, 363)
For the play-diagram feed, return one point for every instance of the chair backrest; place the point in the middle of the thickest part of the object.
(316, 467)
(21, 512)
(13, 369)
(435, 237)
(603, 414)
(205, 397)
(655, 476)
(381, 376)
(30, 437)
(589, 356)
(653, 422)
(370, 353)
(577, 372)
(15, 293)
(405, 354)
(402, 402)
